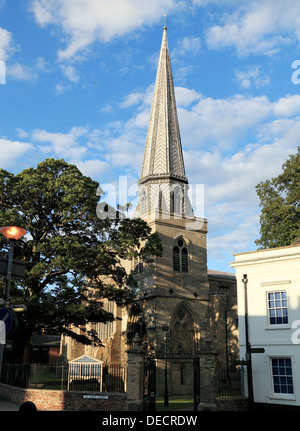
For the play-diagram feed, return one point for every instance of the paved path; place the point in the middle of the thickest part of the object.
(6, 405)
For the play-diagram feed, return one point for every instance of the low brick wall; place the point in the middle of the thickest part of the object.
(66, 400)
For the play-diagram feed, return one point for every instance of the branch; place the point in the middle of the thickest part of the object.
(50, 277)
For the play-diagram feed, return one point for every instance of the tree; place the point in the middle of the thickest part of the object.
(280, 201)
(67, 249)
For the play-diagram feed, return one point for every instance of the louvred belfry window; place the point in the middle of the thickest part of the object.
(184, 260)
(176, 259)
(180, 257)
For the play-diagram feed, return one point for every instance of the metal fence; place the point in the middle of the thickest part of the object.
(229, 383)
(112, 378)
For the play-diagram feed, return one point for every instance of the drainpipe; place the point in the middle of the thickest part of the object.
(248, 347)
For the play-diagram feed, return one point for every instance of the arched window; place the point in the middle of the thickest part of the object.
(176, 200)
(144, 202)
(107, 329)
(183, 335)
(180, 256)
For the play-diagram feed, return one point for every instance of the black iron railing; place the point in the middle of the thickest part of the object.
(111, 378)
(229, 383)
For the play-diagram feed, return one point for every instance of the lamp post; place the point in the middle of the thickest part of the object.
(165, 329)
(12, 233)
(248, 346)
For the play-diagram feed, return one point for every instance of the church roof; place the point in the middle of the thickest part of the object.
(213, 272)
(163, 151)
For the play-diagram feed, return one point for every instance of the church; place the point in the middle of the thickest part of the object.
(186, 309)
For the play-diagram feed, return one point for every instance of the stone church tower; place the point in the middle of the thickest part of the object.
(176, 295)
(175, 292)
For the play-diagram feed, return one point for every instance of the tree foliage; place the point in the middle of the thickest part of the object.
(67, 249)
(280, 202)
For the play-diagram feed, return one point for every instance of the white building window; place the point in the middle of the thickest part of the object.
(277, 308)
(282, 376)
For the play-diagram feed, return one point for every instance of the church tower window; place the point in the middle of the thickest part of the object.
(107, 329)
(138, 266)
(180, 256)
(144, 202)
(177, 200)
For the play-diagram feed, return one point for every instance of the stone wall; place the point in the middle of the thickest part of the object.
(234, 404)
(65, 400)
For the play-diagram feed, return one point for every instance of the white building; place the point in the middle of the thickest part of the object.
(273, 315)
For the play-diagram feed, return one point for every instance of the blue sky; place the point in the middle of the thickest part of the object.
(78, 82)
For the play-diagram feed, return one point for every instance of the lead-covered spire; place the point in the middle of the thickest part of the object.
(163, 183)
(163, 151)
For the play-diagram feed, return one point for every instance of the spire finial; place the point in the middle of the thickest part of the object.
(165, 22)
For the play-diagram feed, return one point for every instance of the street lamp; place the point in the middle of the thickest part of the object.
(248, 346)
(13, 233)
(165, 329)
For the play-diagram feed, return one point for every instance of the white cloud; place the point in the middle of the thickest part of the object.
(61, 88)
(124, 151)
(209, 128)
(235, 240)
(42, 64)
(6, 44)
(21, 72)
(71, 73)
(21, 133)
(185, 97)
(189, 45)
(287, 106)
(258, 27)
(231, 204)
(62, 144)
(12, 151)
(86, 21)
(142, 98)
(222, 122)
(252, 75)
(132, 99)
(94, 168)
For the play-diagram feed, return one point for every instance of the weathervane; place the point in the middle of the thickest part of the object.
(165, 21)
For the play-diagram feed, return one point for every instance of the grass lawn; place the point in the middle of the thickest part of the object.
(175, 402)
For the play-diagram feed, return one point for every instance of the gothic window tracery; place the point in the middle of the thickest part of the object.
(182, 333)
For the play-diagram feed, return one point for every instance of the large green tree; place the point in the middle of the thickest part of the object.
(280, 202)
(67, 248)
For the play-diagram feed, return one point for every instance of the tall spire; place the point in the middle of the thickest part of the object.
(163, 151)
(163, 183)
